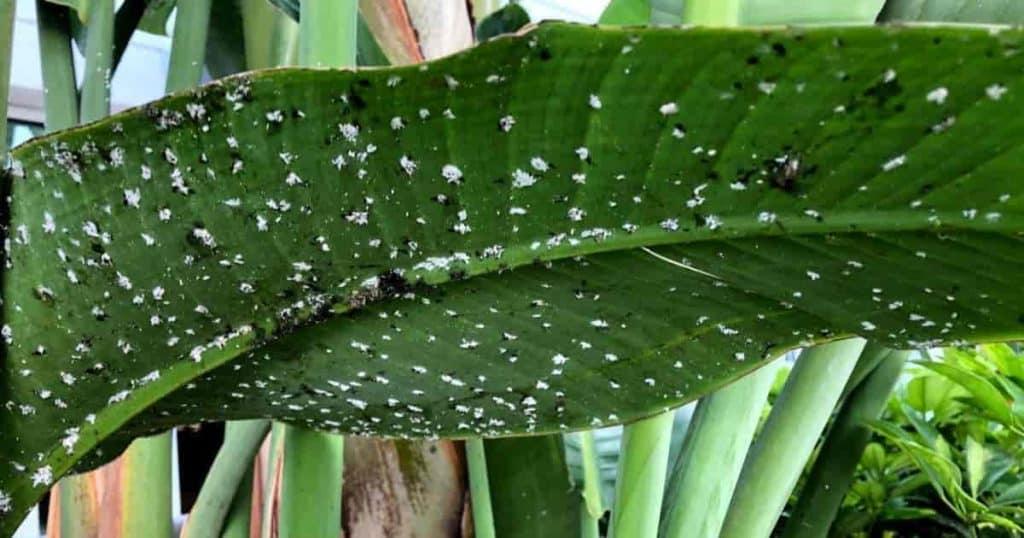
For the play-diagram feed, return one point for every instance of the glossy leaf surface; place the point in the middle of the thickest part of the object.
(531, 236)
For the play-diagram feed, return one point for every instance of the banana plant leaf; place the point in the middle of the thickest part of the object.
(568, 228)
(762, 12)
(987, 11)
(532, 492)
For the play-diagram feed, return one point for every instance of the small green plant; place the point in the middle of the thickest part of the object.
(943, 459)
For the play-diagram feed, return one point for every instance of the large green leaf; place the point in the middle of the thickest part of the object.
(532, 493)
(459, 249)
(754, 12)
(979, 11)
(748, 12)
(627, 12)
(506, 20)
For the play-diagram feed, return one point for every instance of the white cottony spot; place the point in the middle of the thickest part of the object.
(938, 95)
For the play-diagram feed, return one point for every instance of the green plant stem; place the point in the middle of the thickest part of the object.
(483, 8)
(479, 488)
(126, 20)
(234, 459)
(189, 45)
(78, 517)
(640, 485)
(312, 477)
(712, 12)
(870, 358)
(6, 42)
(593, 507)
(270, 36)
(328, 45)
(833, 470)
(270, 484)
(146, 488)
(98, 52)
(239, 519)
(60, 101)
(782, 449)
(712, 456)
(626, 12)
(60, 105)
(311, 482)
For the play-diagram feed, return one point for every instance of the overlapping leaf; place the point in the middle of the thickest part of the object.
(568, 228)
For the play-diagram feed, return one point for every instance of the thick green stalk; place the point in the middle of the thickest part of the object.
(146, 488)
(234, 459)
(593, 508)
(712, 12)
(311, 482)
(270, 36)
(238, 522)
(6, 39)
(870, 358)
(332, 44)
(188, 48)
(640, 486)
(78, 507)
(60, 103)
(126, 20)
(833, 470)
(483, 8)
(312, 477)
(98, 53)
(271, 480)
(479, 488)
(782, 449)
(60, 89)
(145, 479)
(709, 464)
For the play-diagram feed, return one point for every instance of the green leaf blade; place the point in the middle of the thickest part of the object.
(274, 284)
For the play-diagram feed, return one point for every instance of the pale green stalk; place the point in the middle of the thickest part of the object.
(60, 91)
(328, 45)
(640, 486)
(312, 477)
(238, 522)
(479, 489)
(712, 12)
(98, 57)
(146, 488)
(271, 37)
(780, 452)
(832, 474)
(483, 8)
(710, 461)
(60, 105)
(6, 39)
(270, 484)
(593, 508)
(146, 464)
(311, 482)
(188, 49)
(78, 516)
(242, 440)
